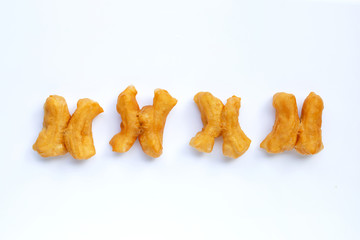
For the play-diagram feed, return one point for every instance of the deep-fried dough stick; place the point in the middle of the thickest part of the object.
(210, 108)
(309, 136)
(152, 121)
(50, 141)
(284, 133)
(128, 108)
(236, 143)
(220, 120)
(147, 124)
(78, 134)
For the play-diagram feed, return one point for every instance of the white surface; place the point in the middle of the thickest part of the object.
(251, 49)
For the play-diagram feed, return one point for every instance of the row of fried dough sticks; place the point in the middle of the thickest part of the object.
(64, 133)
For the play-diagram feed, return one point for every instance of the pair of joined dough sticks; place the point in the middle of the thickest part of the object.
(146, 124)
(64, 133)
(289, 131)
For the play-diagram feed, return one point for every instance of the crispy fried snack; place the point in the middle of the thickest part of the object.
(50, 141)
(152, 120)
(220, 120)
(128, 109)
(284, 133)
(210, 109)
(147, 124)
(236, 143)
(309, 135)
(78, 134)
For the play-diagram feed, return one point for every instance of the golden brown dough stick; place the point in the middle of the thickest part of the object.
(236, 143)
(50, 141)
(147, 124)
(128, 108)
(78, 134)
(309, 137)
(152, 121)
(210, 108)
(284, 133)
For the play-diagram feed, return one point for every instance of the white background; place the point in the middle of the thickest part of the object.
(251, 49)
